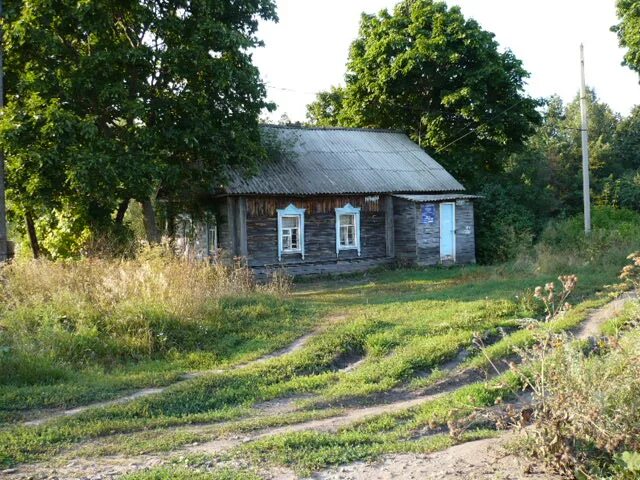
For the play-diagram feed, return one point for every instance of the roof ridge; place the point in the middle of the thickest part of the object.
(349, 129)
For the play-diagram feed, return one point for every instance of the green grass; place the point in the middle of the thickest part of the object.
(404, 323)
(252, 328)
(409, 430)
(166, 440)
(630, 316)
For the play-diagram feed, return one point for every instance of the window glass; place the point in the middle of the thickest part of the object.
(212, 239)
(289, 222)
(347, 231)
(290, 233)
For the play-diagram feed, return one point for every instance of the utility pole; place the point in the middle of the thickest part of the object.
(3, 205)
(585, 148)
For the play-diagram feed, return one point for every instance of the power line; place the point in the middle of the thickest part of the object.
(422, 111)
(480, 126)
(290, 90)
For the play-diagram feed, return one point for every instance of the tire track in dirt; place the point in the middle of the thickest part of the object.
(482, 459)
(48, 415)
(598, 317)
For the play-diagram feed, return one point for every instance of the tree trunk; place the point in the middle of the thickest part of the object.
(33, 238)
(122, 209)
(150, 225)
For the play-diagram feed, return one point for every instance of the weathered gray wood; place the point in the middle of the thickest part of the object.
(389, 227)
(323, 268)
(427, 237)
(404, 219)
(241, 226)
(393, 232)
(320, 236)
(231, 226)
(465, 233)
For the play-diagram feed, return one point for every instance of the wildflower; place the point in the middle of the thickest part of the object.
(538, 292)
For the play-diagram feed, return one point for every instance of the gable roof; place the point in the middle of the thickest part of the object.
(344, 161)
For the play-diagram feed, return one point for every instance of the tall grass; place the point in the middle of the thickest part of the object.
(94, 311)
(564, 246)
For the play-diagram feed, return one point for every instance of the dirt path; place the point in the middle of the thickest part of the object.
(598, 317)
(48, 415)
(485, 459)
(479, 460)
(111, 467)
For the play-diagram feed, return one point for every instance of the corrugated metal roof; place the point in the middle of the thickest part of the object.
(338, 160)
(437, 198)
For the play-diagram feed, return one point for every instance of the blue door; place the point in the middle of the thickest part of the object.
(448, 231)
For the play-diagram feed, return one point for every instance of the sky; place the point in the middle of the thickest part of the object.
(306, 51)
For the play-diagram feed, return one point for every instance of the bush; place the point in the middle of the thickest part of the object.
(563, 244)
(505, 228)
(107, 312)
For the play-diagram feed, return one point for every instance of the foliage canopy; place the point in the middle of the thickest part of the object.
(108, 102)
(426, 70)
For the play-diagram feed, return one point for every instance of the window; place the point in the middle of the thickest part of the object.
(290, 234)
(347, 228)
(347, 231)
(212, 239)
(290, 231)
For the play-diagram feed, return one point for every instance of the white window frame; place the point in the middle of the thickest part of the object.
(212, 238)
(348, 209)
(291, 211)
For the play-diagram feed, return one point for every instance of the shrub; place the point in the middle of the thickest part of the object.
(505, 228)
(563, 244)
(587, 406)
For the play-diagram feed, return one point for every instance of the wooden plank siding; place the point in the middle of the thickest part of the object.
(319, 234)
(428, 236)
(390, 231)
(404, 220)
(465, 233)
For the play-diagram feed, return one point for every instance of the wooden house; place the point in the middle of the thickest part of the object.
(339, 200)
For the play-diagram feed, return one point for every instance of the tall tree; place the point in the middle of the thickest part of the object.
(118, 100)
(430, 72)
(628, 31)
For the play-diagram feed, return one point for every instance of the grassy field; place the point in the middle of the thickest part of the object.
(75, 333)
(402, 324)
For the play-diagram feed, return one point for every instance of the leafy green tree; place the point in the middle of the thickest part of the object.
(112, 101)
(626, 144)
(327, 107)
(628, 31)
(441, 78)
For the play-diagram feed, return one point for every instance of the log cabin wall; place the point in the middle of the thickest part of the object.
(427, 236)
(404, 219)
(390, 230)
(465, 233)
(319, 234)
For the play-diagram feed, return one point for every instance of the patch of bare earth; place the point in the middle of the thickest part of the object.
(597, 318)
(479, 460)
